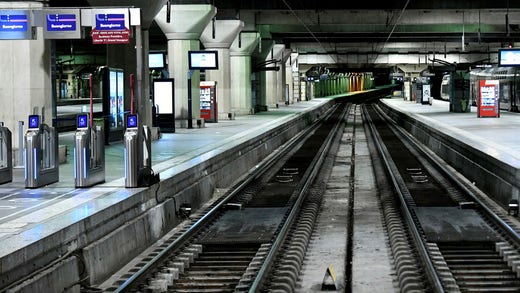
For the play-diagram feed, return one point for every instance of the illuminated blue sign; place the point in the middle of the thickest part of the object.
(61, 22)
(110, 22)
(14, 25)
(34, 121)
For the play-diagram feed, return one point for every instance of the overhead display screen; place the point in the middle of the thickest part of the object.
(509, 57)
(156, 60)
(201, 60)
(15, 25)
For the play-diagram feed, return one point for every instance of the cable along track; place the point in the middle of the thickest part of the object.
(462, 245)
(230, 247)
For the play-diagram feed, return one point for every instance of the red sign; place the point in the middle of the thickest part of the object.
(488, 102)
(106, 37)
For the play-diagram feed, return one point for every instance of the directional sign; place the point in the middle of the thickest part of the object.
(62, 24)
(15, 25)
(111, 27)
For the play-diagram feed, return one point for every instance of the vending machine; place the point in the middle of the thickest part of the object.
(488, 99)
(208, 101)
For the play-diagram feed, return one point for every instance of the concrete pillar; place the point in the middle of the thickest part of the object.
(219, 36)
(25, 76)
(274, 78)
(265, 47)
(183, 32)
(285, 77)
(240, 62)
(293, 78)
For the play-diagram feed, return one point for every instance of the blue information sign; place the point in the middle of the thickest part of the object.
(61, 22)
(14, 25)
(110, 22)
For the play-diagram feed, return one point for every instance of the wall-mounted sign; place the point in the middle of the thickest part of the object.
(488, 102)
(15, 25)
(62, 24)
(110, 26)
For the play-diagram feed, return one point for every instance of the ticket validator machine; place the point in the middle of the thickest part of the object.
(6, 155)
(89, 153)
(41, 154)
(138, 151)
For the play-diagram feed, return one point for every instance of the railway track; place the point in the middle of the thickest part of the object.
(231, 245)
(460, 244)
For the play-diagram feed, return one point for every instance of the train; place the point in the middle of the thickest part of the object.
(509, 85)
(445, 87)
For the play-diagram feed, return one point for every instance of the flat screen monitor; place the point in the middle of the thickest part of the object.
(202, 60)
(156, 60)
(131, 121)
(82, 121)
(509, 57)
(34, 121)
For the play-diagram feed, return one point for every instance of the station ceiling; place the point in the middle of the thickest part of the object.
(363, 27)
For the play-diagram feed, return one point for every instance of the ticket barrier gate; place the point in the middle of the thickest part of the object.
(41, 154)
(6, 155)
(89, 153)
(138, 160)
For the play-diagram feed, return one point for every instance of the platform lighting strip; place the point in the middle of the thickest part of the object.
(35, 163)
(25, 163)
(75, 175)
(84, 163)
(125, 162)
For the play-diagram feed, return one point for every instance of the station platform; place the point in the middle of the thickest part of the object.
(21, 209)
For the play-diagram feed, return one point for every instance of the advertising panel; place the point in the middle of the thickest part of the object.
(426, 94)
(163, 97)
(113, 97)
(488, 102)
(62, 24)
(120, 98)
(15, 25)
(110, 26)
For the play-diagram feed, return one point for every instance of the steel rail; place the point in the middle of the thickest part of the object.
(452, 177)
(311, 174)
(261, 169)
(399, 184)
